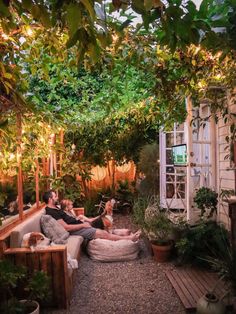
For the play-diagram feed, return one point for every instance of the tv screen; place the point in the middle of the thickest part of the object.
(179, 155)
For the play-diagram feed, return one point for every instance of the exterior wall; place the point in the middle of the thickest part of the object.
(226, 173)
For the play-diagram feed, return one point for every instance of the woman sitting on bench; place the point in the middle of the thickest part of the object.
(103, 221)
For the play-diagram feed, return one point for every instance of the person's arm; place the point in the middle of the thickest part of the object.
(73, 227)
(90, 220)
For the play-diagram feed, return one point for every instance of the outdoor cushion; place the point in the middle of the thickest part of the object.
(112, 251)
(73, 245)
(53, 230)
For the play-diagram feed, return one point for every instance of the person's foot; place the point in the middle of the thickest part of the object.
(135, 236)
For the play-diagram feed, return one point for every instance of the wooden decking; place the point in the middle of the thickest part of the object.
(190, 284)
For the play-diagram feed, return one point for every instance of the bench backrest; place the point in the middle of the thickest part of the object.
(32, 224)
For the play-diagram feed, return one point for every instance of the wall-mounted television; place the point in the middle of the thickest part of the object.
(179, 155)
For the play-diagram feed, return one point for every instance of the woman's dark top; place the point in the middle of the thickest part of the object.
(60, 214)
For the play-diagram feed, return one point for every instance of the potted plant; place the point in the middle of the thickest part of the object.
(158, 229)
(223, 262)
(206, 200)
(15, 279)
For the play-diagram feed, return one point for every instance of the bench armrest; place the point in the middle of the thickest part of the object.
(53, 261)
(56, 248)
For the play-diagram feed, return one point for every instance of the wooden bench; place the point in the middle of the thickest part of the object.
(52, 259)
(191, 284)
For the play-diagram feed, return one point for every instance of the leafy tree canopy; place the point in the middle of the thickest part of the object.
(90, 26)
(107, 110)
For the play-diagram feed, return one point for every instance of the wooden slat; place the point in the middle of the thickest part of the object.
(59, 283)
(178, 288)
(53, 261)
(191, 284)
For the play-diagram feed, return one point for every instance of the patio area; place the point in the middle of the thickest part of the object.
(138, 286)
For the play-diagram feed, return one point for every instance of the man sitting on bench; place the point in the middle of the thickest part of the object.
(77, 227)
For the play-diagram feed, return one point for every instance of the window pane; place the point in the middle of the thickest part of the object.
(169, 157)
(170, 190)
(179, 127)
(169, 139)
(180, 191)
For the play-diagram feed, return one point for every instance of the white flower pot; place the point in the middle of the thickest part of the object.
(33, 306)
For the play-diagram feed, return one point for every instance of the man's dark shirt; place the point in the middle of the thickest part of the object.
(60, 214)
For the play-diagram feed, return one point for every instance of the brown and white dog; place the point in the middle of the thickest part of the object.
(34, 239)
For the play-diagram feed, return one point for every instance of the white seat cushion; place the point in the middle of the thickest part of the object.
(73, 245)
(113, 251)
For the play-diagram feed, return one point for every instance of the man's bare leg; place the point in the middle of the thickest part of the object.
(102, 234)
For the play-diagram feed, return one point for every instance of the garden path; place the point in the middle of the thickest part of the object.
(134, 287)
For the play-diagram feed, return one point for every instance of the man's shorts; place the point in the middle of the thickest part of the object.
(86, 233)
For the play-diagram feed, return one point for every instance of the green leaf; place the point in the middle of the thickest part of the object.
(27, 4)
(148, 4)
(73, 39)
(7, 75)
(138, 6)
(89, 7)
(3, 124)
(202, 13)
(191, 7)
(73, 17)
(35, 11)
(124, 24)
(4, 11)
(93, 51)
(44, 16)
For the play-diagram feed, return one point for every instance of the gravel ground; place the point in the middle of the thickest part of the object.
(135, 287)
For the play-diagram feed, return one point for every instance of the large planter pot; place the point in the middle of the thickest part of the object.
(210, 304)
(161, 252)
(32, 307)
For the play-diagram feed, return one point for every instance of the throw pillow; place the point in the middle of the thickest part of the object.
(53, 230)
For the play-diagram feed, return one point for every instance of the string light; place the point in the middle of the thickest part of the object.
(12, 156)
(29, 31)
(5, 36)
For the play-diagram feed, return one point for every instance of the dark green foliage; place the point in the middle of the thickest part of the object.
(159, 228)
(15, 280)
(89, 205)
(148, 164)
(138, 212)
(200, 242)
(124, 191)
(206, 199)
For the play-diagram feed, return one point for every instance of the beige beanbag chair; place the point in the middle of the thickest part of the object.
(112, 251)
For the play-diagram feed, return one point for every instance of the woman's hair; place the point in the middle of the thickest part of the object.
(64, 203)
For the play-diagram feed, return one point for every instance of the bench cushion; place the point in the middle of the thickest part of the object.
(113, 251)
(73, 245)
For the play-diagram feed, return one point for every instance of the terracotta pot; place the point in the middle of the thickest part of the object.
(210, 304)
(161, 252)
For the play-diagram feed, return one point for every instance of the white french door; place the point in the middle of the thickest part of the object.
(173, 179)
(202, 154)
(178, 185)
